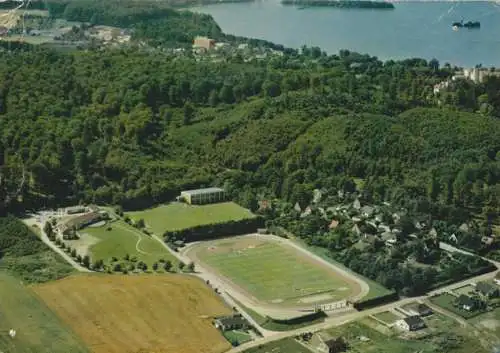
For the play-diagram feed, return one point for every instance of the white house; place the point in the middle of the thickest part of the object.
(411, 323)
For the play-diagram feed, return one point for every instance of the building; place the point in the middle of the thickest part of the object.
(204, 43)
(203, 196)
(234, 322)
(424, 310)
(76, 209)
(80, 222)
(324, 345)
(367, 211)
(466, 303)
(487, 290)
(411, 323)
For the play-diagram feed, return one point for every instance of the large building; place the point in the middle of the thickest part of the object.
(204, 43)
(203, 196)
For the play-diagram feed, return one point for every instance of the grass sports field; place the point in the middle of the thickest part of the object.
(38, 330)
(124, 239)
(118, 314)
(273, 272)
(176, 216)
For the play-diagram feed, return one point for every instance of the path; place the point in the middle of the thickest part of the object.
(451, 248)
(32, 221)
(136, 233)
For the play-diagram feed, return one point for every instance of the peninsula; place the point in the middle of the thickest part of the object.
(347, 4)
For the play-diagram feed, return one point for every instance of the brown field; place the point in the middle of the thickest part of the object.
(146, 314)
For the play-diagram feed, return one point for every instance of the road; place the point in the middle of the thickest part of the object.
(30, 222)
(341, 320)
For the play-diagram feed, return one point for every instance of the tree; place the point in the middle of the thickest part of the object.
(167, 266)
(126, 257)
(48, 230)
(98, 265)
(140, 223)
(190, 267)
(117, 267)
(79, 258)
(73, 252)
(188, 113)
(86, 261)
(155, 266)
(181, 265)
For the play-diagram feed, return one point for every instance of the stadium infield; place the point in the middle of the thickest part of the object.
(273, 272)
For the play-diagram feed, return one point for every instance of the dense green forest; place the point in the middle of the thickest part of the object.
(23, 254)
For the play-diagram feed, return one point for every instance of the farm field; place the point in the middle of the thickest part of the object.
(273, 272)
(175, 216)
(160, 314)
(287, 345)
(38, 330)
(123, 239)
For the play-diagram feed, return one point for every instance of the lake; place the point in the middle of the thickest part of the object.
(412, 29)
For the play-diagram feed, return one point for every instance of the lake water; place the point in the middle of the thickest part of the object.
(410, 30)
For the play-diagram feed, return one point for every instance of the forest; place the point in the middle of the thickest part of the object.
(134, 126)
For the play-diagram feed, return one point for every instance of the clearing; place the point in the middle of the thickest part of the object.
(175, 216)
(272, 271)
(122, 239)
(160, 314)
(38, 330)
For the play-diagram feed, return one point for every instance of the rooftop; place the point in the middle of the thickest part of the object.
(231, 320)
(414, 320)
(465, 300)
(202, 191)
(485, 287)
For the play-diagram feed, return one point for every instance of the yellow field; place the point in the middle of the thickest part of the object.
(132, 314)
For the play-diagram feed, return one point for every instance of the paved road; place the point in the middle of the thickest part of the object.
(341, 320)
(32, 221)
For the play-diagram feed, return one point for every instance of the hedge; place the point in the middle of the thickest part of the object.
(216, 230)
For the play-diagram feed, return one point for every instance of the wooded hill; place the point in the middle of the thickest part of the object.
(134, 127)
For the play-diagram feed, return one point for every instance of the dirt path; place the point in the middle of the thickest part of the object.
(137, 234)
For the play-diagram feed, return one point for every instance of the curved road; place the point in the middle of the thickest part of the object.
(31, 222)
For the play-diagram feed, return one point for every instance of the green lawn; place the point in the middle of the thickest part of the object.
(175, 216)
(376, 289)
(387, 317)
(287, 345)
(237, 336)
(124, 239)
(446, 301)
(38, 330)
(273, 272)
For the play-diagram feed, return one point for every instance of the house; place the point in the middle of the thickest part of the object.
(463, 228)
(203, 196)
(486, 289)
(367, 211)
(487, 240)
(411, 323)
(233, 322)
(424, 310)
(328, 345)
(453, 238)
(433, 232)
(356, 230)
(356, 204)
(389, 238)
(334, 224)
(497, 278)
(204, 43)
(76, 209)
(467, 303)
(80, 222)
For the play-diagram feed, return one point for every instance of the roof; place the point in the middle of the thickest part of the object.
(414, 320)
(485, 287)
(334, 224)
(422, 308)
(202, 191)
(231, 320)
(81, 219)
(465, 300)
